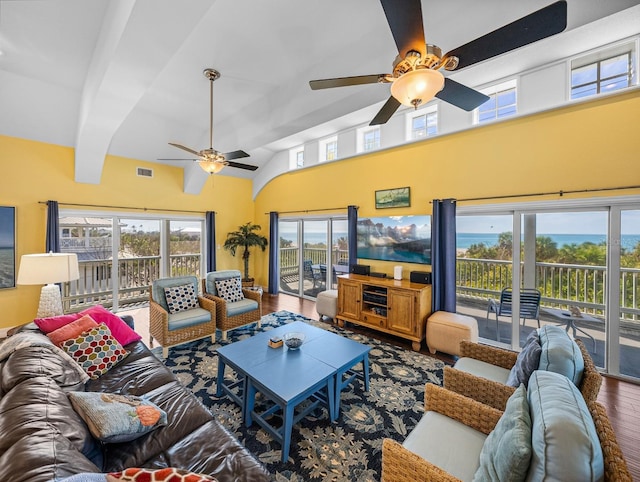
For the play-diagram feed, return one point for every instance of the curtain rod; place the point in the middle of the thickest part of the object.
(311, 210)
(559, 193)
(125, 207)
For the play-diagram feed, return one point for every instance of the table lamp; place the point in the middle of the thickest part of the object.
(47, 269)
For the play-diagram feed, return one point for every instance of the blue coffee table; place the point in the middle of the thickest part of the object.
(286, 377)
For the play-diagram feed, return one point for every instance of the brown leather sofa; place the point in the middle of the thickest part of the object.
(43, 439)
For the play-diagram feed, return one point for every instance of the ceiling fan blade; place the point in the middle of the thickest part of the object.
(179, 146)
(346, 81)
(239, 165)
(405, 21)
(536, 26)
(235, 155)
(388, 109)
(177, 159)
(461, 96)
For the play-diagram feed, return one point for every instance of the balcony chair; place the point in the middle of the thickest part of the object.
(529, 306)
(178, 321)
(235, 306)
(310, 273)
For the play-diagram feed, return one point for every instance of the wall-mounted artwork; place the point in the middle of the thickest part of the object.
(399, 197)
(7, 247)
(395, 238)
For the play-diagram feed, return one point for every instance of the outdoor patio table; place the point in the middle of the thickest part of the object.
(570, 321)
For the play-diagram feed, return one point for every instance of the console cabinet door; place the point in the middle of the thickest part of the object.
(349, 294)
(400, 312)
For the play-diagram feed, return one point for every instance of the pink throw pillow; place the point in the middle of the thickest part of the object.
(72, 330)
(47, 325)
(119, 329)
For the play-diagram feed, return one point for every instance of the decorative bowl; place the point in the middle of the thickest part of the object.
(293, 339)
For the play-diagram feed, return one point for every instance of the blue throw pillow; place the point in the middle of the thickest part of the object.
(560, 354)
(506, 452)
(114, 418)
(527, 361)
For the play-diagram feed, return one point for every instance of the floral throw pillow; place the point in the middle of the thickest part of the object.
(230, 289)
(96, 351)
(168, 474)
(114, 418)
(181, 298)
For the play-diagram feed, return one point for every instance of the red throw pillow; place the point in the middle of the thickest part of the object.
(47, 325)
(72, 330)
(168, 474)
(119, 329)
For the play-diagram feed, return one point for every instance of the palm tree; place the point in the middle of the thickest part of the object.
(246, 237)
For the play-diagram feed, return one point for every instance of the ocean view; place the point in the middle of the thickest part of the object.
(7, 268)
(465, 240)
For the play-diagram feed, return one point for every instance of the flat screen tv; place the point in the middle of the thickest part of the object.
(395, 238)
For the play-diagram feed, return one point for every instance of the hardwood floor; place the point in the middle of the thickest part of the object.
(621, 399)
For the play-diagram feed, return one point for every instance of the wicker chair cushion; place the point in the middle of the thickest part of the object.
(158, 286)
(506, 453)
(565, 442)
(230, 289)
(482, 369)
(439, 439)
(240, 307)
(560, 354)
(213, 276)
(184, 319)
(528, 360)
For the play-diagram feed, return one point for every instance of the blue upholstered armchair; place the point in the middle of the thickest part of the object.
(177, 314)
(235, 306)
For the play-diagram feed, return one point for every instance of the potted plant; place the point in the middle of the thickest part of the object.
(245, 237)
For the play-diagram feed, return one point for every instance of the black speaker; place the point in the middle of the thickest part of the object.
(364, 269)
(377, 275)
(422, 277)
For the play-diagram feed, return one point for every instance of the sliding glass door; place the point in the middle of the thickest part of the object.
(582, 256)
(120, 256)
(313, 252)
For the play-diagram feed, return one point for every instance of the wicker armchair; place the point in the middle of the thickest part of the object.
(401, 465)
(495, 394)
(170, 329)
(230, 315)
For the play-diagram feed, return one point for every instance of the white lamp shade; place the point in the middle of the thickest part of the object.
(417, 87)
(46, 268)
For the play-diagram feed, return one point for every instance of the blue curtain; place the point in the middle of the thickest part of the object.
(210, 221)
(274, 243)
(352, 233)
(443, 255)
(53, 227)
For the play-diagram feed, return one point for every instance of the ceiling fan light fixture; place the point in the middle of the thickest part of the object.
(417, 87)
(211, 167)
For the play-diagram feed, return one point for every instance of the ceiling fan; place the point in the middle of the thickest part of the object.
(416, 76)
(209, 159)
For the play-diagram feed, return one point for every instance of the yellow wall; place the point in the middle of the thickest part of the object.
(586, 146)
(34, 171)
(590, 145)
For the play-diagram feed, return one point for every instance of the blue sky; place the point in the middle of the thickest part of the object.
(552, 223)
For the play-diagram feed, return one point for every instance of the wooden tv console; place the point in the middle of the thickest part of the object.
(397, 307)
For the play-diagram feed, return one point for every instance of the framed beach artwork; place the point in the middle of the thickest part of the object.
(399, 197)
(7, 247)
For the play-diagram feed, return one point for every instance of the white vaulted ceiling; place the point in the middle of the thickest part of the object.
(124, 77)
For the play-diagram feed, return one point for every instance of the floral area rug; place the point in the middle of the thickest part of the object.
(349, 449)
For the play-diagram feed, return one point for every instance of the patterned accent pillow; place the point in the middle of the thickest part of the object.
(114, 418)
(230, 289)
(181, 298)
(168, 474)
(96, 351)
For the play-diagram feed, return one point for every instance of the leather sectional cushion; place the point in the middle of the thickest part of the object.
(38, 361)
(45, 438)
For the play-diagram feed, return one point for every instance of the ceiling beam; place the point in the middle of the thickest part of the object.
(127, 59)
